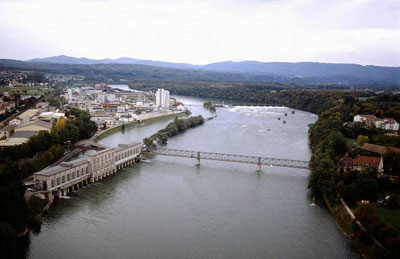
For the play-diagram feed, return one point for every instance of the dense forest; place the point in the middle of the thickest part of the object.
(19, 162)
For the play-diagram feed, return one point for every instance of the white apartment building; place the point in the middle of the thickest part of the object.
(380, 123)
(162, 98)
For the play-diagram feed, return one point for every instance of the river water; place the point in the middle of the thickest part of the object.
(169, 208)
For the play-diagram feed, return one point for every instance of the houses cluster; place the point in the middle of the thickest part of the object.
(375, 153)
(12, 78)
(29, 123)
(109, 107)
(22, 78)
(6, 106)
(60, 79)
(370, 120)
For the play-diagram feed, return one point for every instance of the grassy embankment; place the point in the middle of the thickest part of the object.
(342, 218)
(351, 142)
(390, 217)
(136, 123)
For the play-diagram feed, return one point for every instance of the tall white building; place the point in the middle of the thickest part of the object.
(162, 98)
(69, 94)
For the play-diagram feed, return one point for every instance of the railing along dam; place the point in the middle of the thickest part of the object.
(198, 155)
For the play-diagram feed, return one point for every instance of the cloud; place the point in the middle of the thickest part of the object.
(204, 31)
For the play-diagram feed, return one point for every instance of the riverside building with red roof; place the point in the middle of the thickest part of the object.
(359, 162)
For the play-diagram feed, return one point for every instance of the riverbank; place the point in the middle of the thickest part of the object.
(354, 230)
(119, 128)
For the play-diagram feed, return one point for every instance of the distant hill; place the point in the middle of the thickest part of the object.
(124, 60)
(302, 72)
(312, 69)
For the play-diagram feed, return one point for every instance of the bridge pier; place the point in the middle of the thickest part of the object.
(198, 159)
(259, 165)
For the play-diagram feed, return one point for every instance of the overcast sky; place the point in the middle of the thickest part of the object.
(203, 31)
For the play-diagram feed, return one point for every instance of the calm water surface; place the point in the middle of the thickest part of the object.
(169, 208)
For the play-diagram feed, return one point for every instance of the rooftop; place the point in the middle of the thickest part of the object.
(62, 167)
(366, 160)
(28, 113)
(8, 128)
(124, 146)
(23, 134)
(101, 151)
(373, 148)
(38, 123)
(379, 149)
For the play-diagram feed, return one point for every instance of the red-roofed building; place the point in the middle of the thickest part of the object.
(359, 162)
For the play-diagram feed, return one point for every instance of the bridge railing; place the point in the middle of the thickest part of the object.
(232, 158)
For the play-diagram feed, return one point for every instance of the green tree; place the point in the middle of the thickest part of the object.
(361, 139)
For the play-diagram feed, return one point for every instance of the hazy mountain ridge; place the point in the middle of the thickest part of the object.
(123, 60)
(325, 72)
(305, 73)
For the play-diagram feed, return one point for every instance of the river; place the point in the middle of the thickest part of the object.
(169, 208)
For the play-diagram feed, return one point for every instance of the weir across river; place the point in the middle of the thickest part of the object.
(259, 161)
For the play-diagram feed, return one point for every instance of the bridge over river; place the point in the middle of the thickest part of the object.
(259, 161)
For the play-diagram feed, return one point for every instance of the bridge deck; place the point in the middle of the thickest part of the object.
(233, 158)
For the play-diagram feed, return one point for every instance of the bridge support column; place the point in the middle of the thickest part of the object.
(198, 159)
(259, 165)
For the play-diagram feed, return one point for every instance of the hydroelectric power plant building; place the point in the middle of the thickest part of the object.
(59, 180)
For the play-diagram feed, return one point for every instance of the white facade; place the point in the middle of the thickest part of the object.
(387, 125)
(61, 179)
(15, 122)
(380, 123)
(359, 118)
(69, 94)
(162, 98)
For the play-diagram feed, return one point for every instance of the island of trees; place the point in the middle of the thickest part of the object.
(172, 129)
(209, 106)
